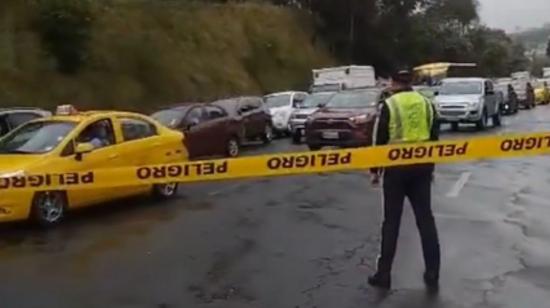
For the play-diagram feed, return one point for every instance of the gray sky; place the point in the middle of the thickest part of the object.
(511, 14)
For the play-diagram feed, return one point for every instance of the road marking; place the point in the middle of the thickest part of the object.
(460, 183)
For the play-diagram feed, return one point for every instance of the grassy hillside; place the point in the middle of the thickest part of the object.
(147, 53)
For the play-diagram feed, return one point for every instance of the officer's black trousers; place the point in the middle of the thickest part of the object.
(413, 182)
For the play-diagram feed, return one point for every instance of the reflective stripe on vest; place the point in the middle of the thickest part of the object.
(411, 117)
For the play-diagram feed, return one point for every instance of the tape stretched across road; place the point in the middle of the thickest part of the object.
(447, 151)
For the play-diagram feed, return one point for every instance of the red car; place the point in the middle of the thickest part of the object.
(347, 120)
(252, 115)
(209, 129)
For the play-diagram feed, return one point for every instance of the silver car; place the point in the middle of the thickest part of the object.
(300, 115)
(468, 100)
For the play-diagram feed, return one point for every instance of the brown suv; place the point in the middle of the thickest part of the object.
(347, 120)
(252, 115)
(209, 129)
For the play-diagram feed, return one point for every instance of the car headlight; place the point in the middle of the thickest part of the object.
(12, 174)
(361, 119)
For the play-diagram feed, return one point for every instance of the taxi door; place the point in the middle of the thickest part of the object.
(140, 145)
(103, 156)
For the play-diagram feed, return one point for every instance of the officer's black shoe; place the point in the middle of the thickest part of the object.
(432, 281)
(380, 280)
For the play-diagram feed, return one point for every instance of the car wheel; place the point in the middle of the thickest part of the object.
(497, 120)
(455, 127)
(48, 208)
(233, 147)
(267, 135)
(165, 191)
(314, 147)
(482, 123)
(296, 138)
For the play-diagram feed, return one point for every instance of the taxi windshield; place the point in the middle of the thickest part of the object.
(36, 137)
(359, 99)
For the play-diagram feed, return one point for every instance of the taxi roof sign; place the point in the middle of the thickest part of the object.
(66, 110)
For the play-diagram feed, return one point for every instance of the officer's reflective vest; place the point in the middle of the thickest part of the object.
(411, 117)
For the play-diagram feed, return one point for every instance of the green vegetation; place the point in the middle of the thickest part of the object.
(142, 54)
(393, 33)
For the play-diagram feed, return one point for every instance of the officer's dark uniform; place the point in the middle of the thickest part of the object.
(413, 182)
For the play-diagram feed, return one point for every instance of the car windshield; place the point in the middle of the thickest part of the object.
(359, 99)
(275, 101)
(461, 88)
(36, 137)
(502, 88)
(316, 99)
(169, 118)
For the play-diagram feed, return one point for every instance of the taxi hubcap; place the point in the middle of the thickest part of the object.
(51, 207)
(168, 189)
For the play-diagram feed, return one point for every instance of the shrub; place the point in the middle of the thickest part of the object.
(65, 29)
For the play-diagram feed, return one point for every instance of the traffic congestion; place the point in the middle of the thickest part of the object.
(339, 111)
(223, 229)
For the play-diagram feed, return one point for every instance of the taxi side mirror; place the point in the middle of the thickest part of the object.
(83, 148)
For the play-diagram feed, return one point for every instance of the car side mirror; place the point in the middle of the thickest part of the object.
(83, 148)
(436, 93)
(321, 105)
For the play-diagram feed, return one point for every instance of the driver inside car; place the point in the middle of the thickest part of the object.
(97, 135)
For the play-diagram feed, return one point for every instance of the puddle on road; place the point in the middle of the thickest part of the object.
(92, 231)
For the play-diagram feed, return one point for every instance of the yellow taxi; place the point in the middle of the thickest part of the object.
(73, 141)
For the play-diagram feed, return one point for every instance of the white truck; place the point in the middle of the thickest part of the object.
(344, 77)
(546, 72)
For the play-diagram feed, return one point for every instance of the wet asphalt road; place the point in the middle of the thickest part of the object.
(296, 242)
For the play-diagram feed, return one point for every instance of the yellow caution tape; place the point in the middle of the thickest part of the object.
(448, 151)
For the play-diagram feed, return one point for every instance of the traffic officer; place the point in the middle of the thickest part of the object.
(406, 117)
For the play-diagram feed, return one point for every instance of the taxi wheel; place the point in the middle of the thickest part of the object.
(165, 191)
(48, 208)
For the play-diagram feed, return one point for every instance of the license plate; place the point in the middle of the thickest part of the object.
(330, 135)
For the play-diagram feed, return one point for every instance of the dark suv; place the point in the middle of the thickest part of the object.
(347, 120)
(11, 118)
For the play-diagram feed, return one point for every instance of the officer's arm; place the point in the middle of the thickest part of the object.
(434, 132)
(381, 134)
